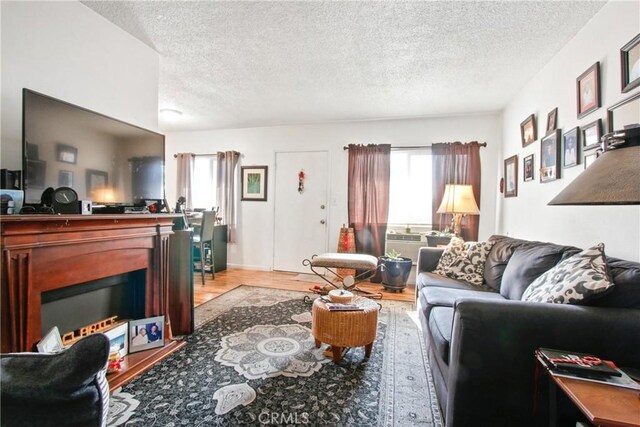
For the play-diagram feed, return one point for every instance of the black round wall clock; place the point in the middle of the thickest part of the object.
(65, 200)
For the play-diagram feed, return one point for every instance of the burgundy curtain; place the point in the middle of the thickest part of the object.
(456, 163)
(368, 197)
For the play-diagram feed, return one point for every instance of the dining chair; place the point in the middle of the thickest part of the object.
(204, 240)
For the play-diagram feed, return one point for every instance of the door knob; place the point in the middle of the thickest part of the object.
(322, 221)
(321, 206)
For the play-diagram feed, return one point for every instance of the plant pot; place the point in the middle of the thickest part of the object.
(395, 273)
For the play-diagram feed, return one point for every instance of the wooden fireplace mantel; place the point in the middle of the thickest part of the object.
(41, 253)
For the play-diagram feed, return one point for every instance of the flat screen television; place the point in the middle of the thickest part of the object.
(103, 159)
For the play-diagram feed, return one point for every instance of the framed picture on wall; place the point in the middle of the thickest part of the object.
(550, 157)
(528, 130)
(630, 64)
(527, 167)
(571, 147)
(254, 183)
(511, 176)
(66, 153)
(590, 157)
(551, 120)
(96, 180)
(588, 90)
(591, 134)
(65, 178)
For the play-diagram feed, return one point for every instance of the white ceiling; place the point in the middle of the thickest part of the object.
(246, 64)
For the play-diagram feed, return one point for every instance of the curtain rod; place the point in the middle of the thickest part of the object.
(421, 147)
(175, 156)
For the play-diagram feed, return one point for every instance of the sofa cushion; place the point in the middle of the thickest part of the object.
(426, 279)
(446, 297)
(626, 292)
(469, 266)
(525, 265)
(574, 280)
(440, 326)
(454, 249)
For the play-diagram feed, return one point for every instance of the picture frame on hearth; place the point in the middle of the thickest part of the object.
(528, 130)
(550, 157)
(630, 64)
(591, 135)
(528, 168)
(571, 148)
(588, 90)
(511, 176)
(119, 339)
(145, 334)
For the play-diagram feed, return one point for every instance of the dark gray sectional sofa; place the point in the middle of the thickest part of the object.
(481, 341)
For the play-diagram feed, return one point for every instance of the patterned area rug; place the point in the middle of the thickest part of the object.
(252, 361)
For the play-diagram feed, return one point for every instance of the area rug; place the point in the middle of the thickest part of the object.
(252, 361)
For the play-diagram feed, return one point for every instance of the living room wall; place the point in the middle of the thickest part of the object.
(527, 215)
(67, 51)
(259, 145)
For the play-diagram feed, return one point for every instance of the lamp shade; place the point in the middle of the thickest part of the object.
(459, 199)
(612, 179)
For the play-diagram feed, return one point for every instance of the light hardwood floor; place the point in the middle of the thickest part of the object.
(234, 277)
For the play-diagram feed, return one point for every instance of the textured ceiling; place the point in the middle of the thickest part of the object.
(246, 64)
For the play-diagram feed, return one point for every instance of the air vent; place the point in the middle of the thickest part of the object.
(404, 237)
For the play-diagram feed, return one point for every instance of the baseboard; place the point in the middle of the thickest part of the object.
(249, 267)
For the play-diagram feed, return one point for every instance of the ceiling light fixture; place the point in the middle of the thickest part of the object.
(170, 113)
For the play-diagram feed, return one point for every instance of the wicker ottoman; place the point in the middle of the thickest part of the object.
(343, 329)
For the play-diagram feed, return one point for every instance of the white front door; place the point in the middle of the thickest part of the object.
(300, 217)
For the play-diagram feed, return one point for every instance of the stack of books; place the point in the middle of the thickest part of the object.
(336, 306)
(583, 366)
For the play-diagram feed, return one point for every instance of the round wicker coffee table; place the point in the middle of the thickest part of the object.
(344, 329)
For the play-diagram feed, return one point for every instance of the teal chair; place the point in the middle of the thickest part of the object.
(203, 242)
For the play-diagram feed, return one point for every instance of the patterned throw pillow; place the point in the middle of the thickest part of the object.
(573, 280)
(469, 266)
(454, 249)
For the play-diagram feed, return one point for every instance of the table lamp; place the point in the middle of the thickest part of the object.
(458, 200)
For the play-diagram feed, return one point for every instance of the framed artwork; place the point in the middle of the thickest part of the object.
(591, 134)
(588, 90)
(254, 183)
(528, 130)
(66, 153)
(550, 157)
(65, 178)
(146, 333)
(96, 180)
(36, 171)
(590, 157)
(571, 147)
(527, 167)
(630, 64)
(551, 120)
(119, 339)
(511, 176)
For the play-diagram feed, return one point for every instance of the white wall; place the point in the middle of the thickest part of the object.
(259, 145)
(528, 216)
(67, 51)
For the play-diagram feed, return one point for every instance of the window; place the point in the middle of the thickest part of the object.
(204, 182)
(410, 187)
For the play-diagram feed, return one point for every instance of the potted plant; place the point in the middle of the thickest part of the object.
(395, 271)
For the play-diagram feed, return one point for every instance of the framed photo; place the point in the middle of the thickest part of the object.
(254, 183)
(528, 130)
(590, 157)
(146, 333)
(571, 147)
(550, 157)
(96, 180)
(511, 176)
(588, 90)
(591, 134)
(119, 339)
(630, 64)
(527, 167)
(65, 178)
(66, 153)
(51, 342)
(36, 171)
(551, 120)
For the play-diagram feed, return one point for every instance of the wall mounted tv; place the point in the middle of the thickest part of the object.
(104, 160)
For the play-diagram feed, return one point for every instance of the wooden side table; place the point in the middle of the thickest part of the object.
(344, 329)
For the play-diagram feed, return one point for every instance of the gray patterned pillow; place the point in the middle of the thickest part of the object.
(573, 280)
(454, 249)
(469, 266)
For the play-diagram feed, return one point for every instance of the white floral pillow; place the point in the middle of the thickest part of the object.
(573, 280)
(469, 266)
(454, 249)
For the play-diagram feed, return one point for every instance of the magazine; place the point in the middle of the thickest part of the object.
(581, 362)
